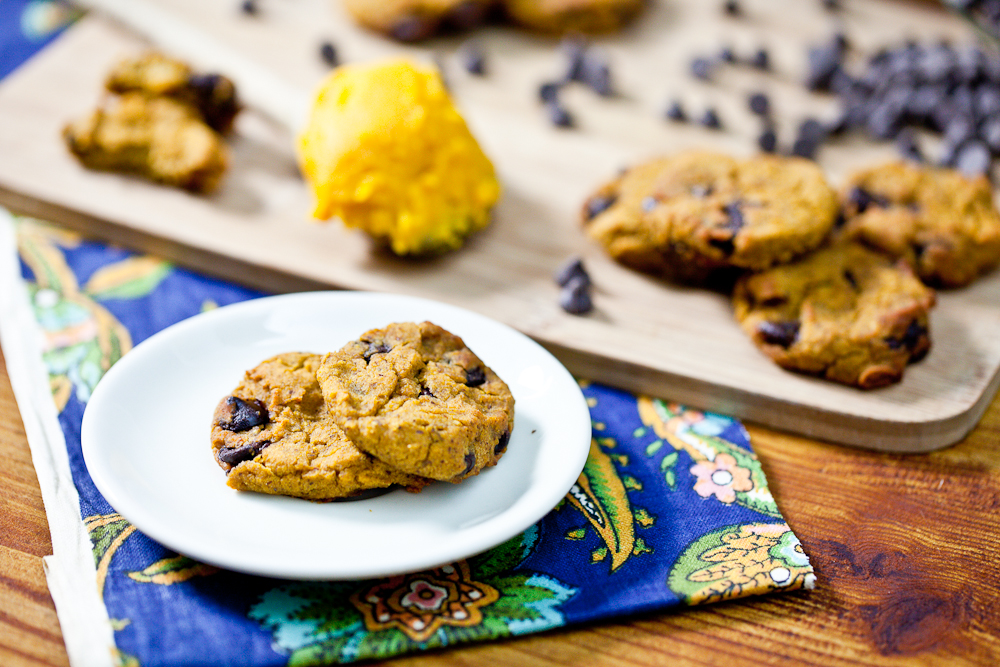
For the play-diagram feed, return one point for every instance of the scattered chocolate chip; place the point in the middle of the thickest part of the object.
(779, 333)
(824, 63)
(710, 119)
(414, 28)
(701, 68)
(572, 268)
(249, 7)
(727, 55)
(675, 112)
(761, 60)
(732, 8)
(768, 139)
(831, 5)
(575, 297)
(596, 74)
(598, 204)
(575, 50)
(475, 376)
(473, 59)
(328, 52)
(558, 115)
(759, 104)
(502, 443)
(549, 92)
(243, 415)
(470, 463)
(373, 349)
(236, 455)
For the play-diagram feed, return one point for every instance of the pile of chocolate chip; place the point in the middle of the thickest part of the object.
(951, 91)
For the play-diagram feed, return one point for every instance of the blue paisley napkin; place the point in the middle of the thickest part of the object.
(671, 509)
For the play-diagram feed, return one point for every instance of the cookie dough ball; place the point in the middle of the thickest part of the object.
(273, 435)
(414, 20)
(573, 16)
(687, 216)
(942, 222)
(387, 152)
(845, 313)
(415, 397)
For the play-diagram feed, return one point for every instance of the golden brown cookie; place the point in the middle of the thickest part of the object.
(414, 396)
(414, 20)
(273, 434)
(686, 216)
(158, 138)
(573, 16)
(154, 74)
(845, 313)
(943, 223)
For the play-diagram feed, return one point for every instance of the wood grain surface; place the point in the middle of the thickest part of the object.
(644, 335)
(904, 548)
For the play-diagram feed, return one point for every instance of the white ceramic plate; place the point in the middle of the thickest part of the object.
(146, 443)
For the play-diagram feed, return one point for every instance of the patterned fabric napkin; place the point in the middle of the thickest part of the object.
(672, 508)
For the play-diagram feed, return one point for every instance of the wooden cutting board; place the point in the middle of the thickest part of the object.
(644, 335)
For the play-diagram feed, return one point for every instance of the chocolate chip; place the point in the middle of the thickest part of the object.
(599, 204)
(424, 391)
(549, 92)
(759, 104)
(373, 349)
(768, 140)
(473, 59)
(575, 50)
(831, 5)
(727, 55)
(235, 455)
(823, 64)
(781, 333)
(913, 339)
(243, 415)
(470, 463)
(701, 68)
(575, 297)
(732, 8)
(710, 119)
(414, 28)
(249, 7)
(572, 268)
(851, 280)
(328, 52)
(989, 132)
(558, 115)
(468, 15)
(862, 199)
(475, 376)
(810, 135)
(596, 74)
(501, 445)
(675, 112)
(761, 60)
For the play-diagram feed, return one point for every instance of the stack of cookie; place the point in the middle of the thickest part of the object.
(405, 405)
(835, 286)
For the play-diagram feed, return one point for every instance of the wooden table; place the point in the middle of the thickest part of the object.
(905, 549)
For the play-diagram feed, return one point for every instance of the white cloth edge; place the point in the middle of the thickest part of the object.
(70, 570)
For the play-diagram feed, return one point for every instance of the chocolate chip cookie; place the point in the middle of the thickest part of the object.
(414, 20)
(274, 435)
(687, 216)
(573, 16)
(943, 223)
(415, 397)
(158, 138)
(846, 313)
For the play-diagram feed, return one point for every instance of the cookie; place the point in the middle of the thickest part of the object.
(414, 20)
(846, 313)
(157, 138)
(154, 74)
(273, 434)
(414, 396)
(943, 223)
(688, 216)
(573, 16)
